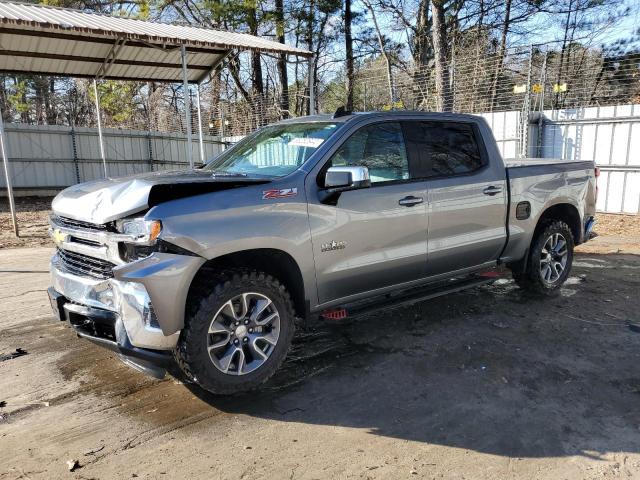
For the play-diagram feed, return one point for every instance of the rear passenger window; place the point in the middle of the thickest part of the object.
(380, 148)
(442, 148)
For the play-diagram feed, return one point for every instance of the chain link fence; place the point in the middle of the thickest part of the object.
(527, 79)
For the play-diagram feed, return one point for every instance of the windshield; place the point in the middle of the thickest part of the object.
(274, 151)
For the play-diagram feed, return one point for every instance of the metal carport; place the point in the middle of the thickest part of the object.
(43, 40)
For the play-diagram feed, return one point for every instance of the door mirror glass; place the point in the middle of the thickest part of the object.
(347, 178)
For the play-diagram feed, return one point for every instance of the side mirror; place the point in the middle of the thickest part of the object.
(347, 178)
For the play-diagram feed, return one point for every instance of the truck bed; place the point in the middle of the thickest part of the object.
(537, 162)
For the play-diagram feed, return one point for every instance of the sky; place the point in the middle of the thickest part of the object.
(551, 28)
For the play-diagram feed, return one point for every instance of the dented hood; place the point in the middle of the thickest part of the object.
(102, 201)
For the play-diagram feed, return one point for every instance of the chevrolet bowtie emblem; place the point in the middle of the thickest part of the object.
(58, 236)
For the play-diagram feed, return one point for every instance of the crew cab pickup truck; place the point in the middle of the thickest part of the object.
(323, 216)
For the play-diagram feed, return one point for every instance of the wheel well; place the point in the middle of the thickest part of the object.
(274, 262)
(566, 213)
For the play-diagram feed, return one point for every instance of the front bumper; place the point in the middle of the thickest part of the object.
(106, 329)
(128, 302)
(147, 296)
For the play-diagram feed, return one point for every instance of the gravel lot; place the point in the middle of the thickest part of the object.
(485, 384)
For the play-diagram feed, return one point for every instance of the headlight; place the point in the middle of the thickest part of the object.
(145, 235)
(141, 230)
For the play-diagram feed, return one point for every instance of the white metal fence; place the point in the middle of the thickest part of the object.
(51, 157)
(608, 135)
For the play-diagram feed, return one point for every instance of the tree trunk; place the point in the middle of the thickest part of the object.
(234, 71)
(439, 32)
(348, 40)
(309, 34)
(501, 53)
(422, 49)
(256, 67)
(383, 51)
(50, 107)
(282, 60)
(4, 104)
(298, 103)
(39, 99)
(422, 52)
(476, 66)
(563, 51)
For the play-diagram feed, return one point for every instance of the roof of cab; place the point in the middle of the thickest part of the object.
(382, 114)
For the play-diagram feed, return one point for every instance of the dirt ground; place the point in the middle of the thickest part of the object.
(485, 384)
(33, 221)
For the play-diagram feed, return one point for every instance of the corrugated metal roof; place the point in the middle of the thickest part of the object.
(56, 41)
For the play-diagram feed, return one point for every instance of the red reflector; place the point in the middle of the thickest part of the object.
(597, 172)
(335, 314)
(489, 274)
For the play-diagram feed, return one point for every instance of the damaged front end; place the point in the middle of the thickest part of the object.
(120, 286)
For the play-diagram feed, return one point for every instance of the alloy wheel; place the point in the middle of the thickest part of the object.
(243, 333)
(553, 258)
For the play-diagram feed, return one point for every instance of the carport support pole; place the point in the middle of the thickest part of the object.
(199, 124)
(187, 106)
(312, 85)
(7, 176)
(100, 139)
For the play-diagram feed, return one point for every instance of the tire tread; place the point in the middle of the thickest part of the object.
(203, 302)
(530, 279)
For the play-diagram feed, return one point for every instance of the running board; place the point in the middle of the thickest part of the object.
(407, 297)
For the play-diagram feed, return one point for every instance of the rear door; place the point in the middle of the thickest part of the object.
(467, 194)
(375, 237)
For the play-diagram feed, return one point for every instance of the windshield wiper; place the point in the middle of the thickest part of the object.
(221, 173)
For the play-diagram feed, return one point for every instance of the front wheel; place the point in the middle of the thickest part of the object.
(550, 259)
(237, 335)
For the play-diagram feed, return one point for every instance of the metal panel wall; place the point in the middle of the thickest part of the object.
(505, 130)
(52, 157)
(608, 135)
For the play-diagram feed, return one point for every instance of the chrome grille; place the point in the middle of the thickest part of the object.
(79, 264)
(71, 223)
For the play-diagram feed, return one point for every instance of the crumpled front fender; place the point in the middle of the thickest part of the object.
(167, 278)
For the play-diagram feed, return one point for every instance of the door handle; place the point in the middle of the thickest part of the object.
(491, 190)
(410, 201)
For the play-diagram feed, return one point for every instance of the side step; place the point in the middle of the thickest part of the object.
(408, 297)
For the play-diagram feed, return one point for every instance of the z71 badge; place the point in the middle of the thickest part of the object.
(279, 193)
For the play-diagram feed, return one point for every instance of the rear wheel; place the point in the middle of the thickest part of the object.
(236, 336)
(550, 259)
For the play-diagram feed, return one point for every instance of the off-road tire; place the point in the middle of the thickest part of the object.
(531, 279)
(191, 351)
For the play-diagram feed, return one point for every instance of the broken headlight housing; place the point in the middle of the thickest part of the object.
(144, 234)
(143, 231)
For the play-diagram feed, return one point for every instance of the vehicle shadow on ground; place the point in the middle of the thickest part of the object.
(492, 370)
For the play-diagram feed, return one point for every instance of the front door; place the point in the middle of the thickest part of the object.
(373, 237)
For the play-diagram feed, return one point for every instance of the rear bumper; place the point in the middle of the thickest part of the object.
(106, 328)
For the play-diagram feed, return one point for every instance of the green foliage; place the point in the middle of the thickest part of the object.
(117, 99)
(17, 98)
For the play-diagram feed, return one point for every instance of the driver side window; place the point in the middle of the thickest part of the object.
(379, 147)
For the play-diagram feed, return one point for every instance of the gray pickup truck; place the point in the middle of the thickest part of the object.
(324, 216)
